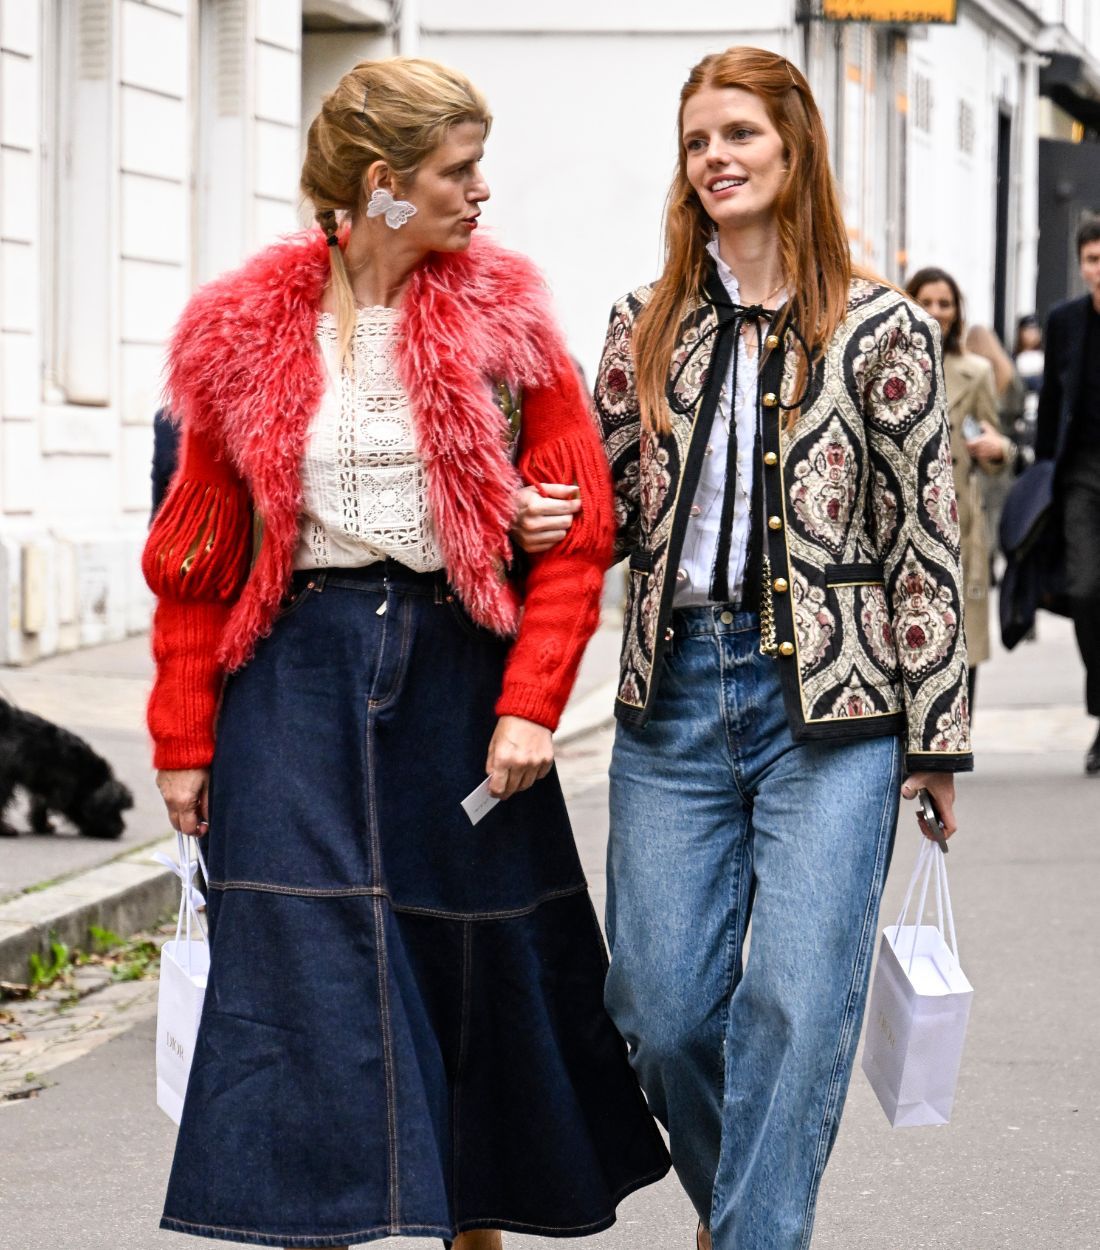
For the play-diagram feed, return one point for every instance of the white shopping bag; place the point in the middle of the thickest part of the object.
(184, 965)
(919, 1007)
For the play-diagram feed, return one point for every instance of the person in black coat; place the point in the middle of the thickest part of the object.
(1068, 432)
(166, 439)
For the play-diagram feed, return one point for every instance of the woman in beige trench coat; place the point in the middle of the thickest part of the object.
(977, 445)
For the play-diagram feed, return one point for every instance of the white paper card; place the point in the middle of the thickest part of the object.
(479, 803)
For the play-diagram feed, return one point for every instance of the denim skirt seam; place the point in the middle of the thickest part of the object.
(386, 1026)
(305, 1241)
(302, 1241)
(411, 909)
(463, 1040)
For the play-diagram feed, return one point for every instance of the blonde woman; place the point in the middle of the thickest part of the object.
(403, 1033)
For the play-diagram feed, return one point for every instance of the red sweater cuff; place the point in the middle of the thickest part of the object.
(183, 704)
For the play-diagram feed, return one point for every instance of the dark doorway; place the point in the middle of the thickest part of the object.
(1069, 187)
(1000, 260)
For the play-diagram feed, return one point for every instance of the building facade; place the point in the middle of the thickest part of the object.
(146, 145)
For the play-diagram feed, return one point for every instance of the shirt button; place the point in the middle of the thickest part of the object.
(726, 618)
(770, 458)
(708, 450)
(786, 648)
(780, 585)
(695, 509)
(774, 523)
(681, 576)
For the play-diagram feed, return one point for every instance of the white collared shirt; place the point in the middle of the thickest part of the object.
(696, 571)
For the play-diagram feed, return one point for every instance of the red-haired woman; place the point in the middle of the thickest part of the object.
(793, 646)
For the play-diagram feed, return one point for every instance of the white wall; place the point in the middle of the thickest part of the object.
(582, 150)
(144, 145)
(952, 201)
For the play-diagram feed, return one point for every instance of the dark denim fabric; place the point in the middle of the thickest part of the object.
(404, 1031)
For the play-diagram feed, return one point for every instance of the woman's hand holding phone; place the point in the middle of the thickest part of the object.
(941, 790)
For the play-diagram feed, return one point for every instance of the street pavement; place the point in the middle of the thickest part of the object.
(83, 1164)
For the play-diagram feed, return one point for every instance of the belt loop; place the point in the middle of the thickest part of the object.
(320, 579)
(437, 591)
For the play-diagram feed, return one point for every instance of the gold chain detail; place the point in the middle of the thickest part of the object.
(768, 642)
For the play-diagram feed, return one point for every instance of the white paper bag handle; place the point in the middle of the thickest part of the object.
(946, 909)
(190, 895)
(930, 860)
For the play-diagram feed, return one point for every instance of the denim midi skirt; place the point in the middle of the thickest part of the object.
(404, 1031)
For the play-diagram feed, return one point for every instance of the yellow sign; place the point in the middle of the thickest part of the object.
(885, 11)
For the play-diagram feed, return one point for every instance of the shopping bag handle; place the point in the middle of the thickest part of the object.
(187, 920)
(931, 862)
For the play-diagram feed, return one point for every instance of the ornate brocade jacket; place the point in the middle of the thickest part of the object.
(862, 528)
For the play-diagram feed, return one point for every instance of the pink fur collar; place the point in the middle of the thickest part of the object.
(244, 369)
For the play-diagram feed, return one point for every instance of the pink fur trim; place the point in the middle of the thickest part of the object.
(244, 369)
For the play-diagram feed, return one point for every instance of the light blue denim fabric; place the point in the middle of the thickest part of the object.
(715, 813)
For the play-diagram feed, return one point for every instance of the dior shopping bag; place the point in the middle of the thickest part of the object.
(919, 1006)
(184, 965)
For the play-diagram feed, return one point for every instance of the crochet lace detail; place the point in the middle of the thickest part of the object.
(363, 484)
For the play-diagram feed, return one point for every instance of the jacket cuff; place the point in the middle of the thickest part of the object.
(939, 762)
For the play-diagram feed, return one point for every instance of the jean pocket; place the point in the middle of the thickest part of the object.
(294, 599)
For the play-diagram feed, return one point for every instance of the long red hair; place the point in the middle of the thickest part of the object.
(813, 241)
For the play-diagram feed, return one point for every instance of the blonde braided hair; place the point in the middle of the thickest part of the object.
(398, 111)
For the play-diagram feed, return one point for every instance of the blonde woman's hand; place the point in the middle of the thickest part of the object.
(544, 514)
(520, 754)
(184, 791)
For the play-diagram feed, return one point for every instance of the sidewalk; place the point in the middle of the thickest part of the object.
(61, 883)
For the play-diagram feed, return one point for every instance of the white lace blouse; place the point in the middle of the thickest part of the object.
(364, 492)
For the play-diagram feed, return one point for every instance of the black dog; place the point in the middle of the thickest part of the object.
(60, 773)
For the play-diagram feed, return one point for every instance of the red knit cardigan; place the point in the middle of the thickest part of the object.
(245, 379)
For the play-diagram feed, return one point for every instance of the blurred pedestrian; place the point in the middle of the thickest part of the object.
(792, 646)
(404, 1032)
(1011, 398)
(977, 446)
(1029, 358)
(1069, 433)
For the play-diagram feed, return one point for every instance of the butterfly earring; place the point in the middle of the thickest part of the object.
(397, 211)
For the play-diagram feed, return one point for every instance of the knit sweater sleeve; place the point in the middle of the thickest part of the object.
(195, 561)
(561, 607)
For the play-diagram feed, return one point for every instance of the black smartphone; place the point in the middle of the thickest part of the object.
(928, 817)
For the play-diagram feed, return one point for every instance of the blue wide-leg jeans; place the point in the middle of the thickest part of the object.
(744, 1047)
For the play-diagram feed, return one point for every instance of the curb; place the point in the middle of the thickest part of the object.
(125, 895)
